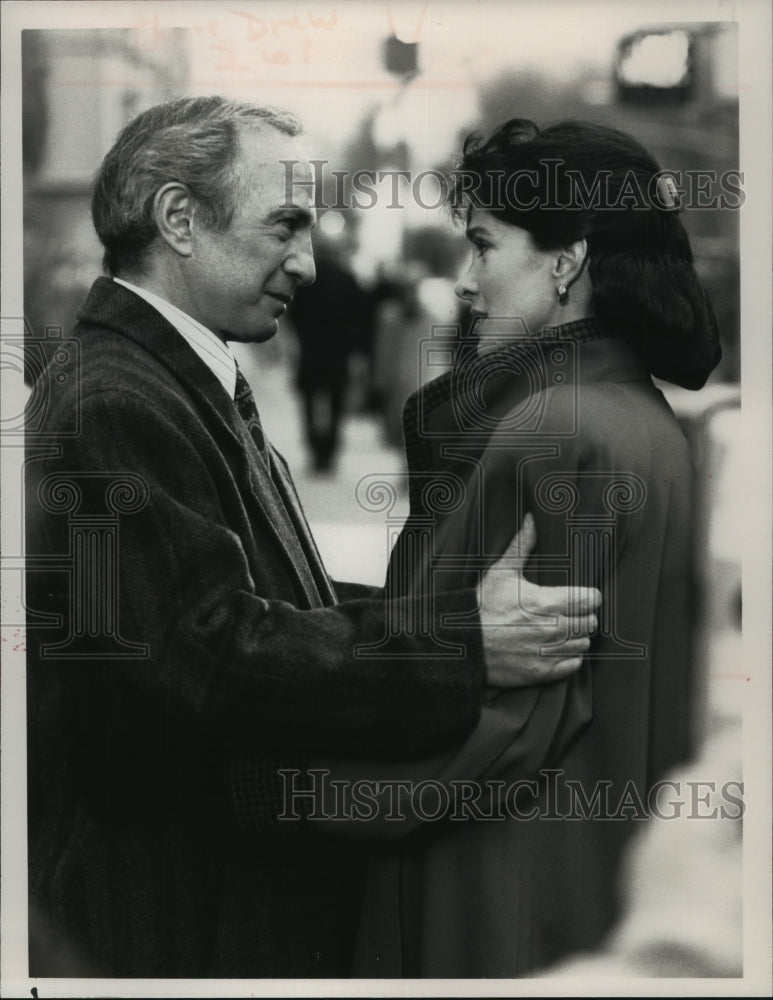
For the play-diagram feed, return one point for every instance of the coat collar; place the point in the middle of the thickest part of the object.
(117, 308)
(468, 402)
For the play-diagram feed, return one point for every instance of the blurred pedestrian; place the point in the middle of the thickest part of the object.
(400, 324)
(327, 317)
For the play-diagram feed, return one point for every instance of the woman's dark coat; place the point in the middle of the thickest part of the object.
(571, 428)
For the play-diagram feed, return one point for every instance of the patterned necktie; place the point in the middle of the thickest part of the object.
(248, 411)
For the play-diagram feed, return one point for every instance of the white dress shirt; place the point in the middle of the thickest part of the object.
(214, 352)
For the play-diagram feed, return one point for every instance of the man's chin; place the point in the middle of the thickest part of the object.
(259, 335)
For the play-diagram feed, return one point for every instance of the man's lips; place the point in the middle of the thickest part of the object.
(282, 302)
(284, 299)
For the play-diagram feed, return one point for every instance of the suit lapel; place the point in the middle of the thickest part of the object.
(115, 306)
(286, 489)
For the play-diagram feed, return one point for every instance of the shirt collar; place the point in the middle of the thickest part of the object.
(214, 352)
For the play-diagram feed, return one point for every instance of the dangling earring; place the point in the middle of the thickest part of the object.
(562, 293)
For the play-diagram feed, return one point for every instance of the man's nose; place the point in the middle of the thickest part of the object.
(300, 263)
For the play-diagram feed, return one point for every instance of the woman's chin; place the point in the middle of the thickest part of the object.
(493, 332)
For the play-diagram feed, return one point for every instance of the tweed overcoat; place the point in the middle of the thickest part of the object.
(184, 643)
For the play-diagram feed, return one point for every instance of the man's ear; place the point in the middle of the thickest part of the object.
(570, 262)
(173, 207)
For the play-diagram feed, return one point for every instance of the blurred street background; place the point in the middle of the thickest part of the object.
(396, 87)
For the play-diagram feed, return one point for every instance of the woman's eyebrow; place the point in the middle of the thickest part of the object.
(471, 232)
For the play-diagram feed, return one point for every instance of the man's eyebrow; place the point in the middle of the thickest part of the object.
(301, 216)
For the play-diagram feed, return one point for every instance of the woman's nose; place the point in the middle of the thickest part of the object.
(465, 287)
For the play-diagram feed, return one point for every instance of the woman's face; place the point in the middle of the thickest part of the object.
(509, 282)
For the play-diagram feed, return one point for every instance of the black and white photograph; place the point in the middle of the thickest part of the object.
(386, 498)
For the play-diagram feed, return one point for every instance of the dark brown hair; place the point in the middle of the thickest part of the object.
(582, 180)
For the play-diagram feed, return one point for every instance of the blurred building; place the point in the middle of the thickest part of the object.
(80, 86)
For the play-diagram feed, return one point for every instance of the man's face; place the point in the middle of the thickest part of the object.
(240, 280)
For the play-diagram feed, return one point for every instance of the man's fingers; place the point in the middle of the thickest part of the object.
(566, 647)
(582, 600)
(564, 668)
(582, 625)
(569, 601)
(520, 548)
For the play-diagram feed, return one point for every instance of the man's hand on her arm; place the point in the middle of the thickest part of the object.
(519, 618)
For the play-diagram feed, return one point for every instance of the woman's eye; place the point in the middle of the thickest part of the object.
(481, 248)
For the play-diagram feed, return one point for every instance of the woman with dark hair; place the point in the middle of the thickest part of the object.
(576, 182)
(581, 287)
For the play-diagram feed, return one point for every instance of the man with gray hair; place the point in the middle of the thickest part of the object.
(198, 646)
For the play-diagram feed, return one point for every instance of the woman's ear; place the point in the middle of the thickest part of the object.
(173, 207)
(570, 262)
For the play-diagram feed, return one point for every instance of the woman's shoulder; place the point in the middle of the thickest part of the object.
(619, 421)
(590, 407)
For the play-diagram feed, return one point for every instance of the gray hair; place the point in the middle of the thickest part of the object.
(193, 140)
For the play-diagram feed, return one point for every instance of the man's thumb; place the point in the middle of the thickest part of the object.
(522, 545)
